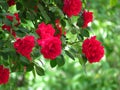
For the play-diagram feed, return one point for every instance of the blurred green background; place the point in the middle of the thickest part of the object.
(104, 75)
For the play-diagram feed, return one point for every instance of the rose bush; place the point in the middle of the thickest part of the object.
(51, 29)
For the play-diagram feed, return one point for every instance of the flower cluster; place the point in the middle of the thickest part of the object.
(50, 45)
(4, 75)
(24, 46)
(45, 31)
(8, 27)
(93, 49)
(49, 38)
(16, 16)
(74, 8)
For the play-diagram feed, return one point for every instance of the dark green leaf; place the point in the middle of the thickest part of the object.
(80, 37)
(72, 50)
(60, 60)
(39, 70)
(53, 63)
(44, 13)
(19, 6)
(30, 67)
(69, 54)
(63, 23)
(85, 33)
(83, 60)
(7, 22)
(80, 22)
(4, 5)
(24, 60)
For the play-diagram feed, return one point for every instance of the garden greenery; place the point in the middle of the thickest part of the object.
(34, 31)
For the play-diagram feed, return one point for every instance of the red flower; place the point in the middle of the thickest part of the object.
(4, 75)
(11, 2)
(51, 48)
(93, 49)
(16, 16)
(24, 46)
(8, 28)
(50, 45)
(87, 17)
(72, 7)
(45, 31)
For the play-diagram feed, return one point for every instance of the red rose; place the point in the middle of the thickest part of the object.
(4, 75)
(11, 2)
(93, 49)
(24, 46)
(72, 7)
(45, 31)
(8, 28)
(87, 17)
(16, 16)
(51, 48)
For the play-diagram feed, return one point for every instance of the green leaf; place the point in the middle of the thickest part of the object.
(85, 33)
(63, 23)
(63, 38)
(80, 37)
(19, 6)
(60, 60)
(44, 13)
(72, 50)
(33, 72)
(60, 13)
(24, 60)
(29, 3)
(53, 63)
(82, 59)
(14, 68)
(4, 5)
(30, 67)
(39, 70)
(80, 22)
(7, 22)
(69, 54)
(1, 20)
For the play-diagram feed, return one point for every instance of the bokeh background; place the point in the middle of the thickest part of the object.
(104, 75)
